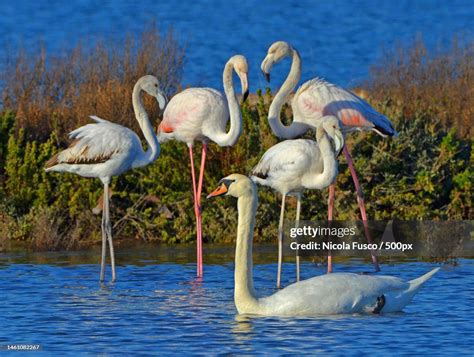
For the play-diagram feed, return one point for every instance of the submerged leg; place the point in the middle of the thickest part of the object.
(108, 226)
(297, 224)
(332, 193)
(280, 241)
(196, 210)
(104, 240)
(360, 201)
(199, 214)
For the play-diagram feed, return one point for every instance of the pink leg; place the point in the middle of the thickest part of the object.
(196, 210)
(199, 217)
(332, 192)
(360, 201)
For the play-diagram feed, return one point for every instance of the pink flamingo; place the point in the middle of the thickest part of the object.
(315, 100)
(202, 114)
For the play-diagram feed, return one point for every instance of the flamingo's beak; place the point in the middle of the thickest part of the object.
(219, 191)
(161, 98)
(338, 142)
(266, 66)
(245, 86)
(267, 76)
(246, 95)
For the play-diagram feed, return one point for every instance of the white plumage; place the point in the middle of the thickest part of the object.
(105, 149)
(101, 150)
(202, 114)
(318, 98)
(291, 166)
(312, 102)
(338, 293)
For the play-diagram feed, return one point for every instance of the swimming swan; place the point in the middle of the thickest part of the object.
(337, 293)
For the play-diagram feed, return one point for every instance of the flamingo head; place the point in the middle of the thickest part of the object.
(151, 85)
(277, 51)
(241, 67)
(332, 127)
(235, 185)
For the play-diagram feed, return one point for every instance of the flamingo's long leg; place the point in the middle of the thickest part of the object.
(297, 224)
(332, 193)
(199, 215)
(280, 241)
(196, 207)
(360, 201)
(104, 239)
(108, 226)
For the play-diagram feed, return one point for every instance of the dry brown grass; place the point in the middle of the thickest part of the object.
(439, 84)
(59, 92)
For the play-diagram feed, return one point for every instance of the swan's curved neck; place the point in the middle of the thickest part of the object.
(330, 167)
(244, 294)
(278, 128)
(230, 138)
(153, 150)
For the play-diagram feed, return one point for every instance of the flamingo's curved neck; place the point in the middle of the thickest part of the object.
(278, 128)
(230, 138)
(153, 150)
(325, 178)
(244, 294)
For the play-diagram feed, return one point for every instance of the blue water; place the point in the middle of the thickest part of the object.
(337, 39)
(158, 306)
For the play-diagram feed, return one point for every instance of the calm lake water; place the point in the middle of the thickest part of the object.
(337, 39)
(157, 305)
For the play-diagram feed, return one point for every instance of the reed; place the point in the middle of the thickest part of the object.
(58, 92)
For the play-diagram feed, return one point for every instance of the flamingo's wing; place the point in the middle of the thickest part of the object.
(95, 143)
(318, 98)
(289, 157)
(189, 108)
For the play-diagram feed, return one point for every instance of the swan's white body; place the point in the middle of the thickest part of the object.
(105, 149)
(202, 114)
(341, 293)
(337, 293)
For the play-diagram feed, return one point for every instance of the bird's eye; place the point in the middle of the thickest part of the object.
(334, 126)
(156, 85)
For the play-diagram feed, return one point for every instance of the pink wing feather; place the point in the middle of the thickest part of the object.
(317, 98)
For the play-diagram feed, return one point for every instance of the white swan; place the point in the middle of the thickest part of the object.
(337, 293)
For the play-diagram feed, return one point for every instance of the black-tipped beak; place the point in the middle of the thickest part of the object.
(246, 95)
(266, 75)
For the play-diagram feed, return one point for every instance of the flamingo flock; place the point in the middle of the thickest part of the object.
(104, 149)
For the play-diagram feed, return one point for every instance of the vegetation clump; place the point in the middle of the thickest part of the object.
(425, 173)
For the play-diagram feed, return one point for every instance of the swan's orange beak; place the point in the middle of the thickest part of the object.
(219, 191)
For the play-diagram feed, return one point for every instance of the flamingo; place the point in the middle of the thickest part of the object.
(337, 293)
(106, 149)
(314, 100)
(291, 166)
(202, 114)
